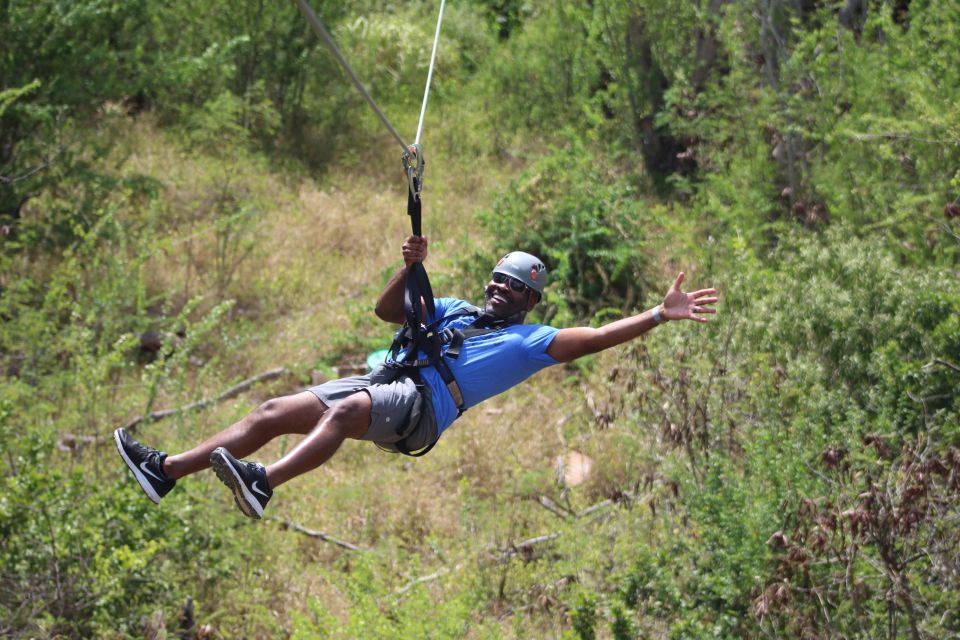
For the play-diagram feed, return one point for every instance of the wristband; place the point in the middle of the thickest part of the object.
(656, 314)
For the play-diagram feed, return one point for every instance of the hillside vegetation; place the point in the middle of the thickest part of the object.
(192, 195)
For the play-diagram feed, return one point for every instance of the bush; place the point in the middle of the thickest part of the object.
(588, 225)
(809, 440)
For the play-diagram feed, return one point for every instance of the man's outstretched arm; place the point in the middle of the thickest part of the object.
(570, 344)
(390, 305)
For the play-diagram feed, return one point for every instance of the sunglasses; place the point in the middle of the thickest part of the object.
(515, 284)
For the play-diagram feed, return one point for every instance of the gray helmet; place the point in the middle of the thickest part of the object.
(526, 268)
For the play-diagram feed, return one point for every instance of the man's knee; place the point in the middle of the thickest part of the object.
(298, 412)
(351, 416)
(269, 411)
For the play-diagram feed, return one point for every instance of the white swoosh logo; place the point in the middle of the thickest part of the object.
(254, 487)
(148, 472)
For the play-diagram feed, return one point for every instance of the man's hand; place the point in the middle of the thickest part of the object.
(414, 249)
(390, 305)
(678, 305)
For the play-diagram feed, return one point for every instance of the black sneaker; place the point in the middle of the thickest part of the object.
(247, 480)
(146, 464)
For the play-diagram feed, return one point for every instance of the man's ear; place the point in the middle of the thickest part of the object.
(532, 300)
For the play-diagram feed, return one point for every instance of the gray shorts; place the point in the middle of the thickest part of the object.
(400, 407)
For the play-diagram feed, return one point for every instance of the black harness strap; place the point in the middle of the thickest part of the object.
(482, 325)
(432, 342)
(418, 306)
(418, 283)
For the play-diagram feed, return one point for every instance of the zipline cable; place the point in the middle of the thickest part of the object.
(418, 283)
(433, 58)
(327, 40)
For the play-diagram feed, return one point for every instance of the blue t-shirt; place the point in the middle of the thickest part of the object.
(488, 364)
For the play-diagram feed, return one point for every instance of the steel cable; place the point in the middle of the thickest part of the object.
(433, 58)
(328, 40)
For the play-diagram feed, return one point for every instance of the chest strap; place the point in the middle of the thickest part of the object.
(430, 341)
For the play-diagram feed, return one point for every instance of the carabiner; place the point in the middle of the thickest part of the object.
(414, 169)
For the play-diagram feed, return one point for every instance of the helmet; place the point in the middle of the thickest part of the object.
(526, 268)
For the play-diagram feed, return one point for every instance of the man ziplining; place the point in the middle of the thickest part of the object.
(448, 357)
(407, 403)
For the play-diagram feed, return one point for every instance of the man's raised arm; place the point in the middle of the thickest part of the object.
(390, 305)
(570, 344)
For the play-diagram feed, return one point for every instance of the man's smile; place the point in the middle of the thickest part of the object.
(500, 302)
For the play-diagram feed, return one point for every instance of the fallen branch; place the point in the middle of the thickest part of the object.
(529, 544)
(71, 442)
(949, 365)
(553, 507)
(203, 404)
(564, 512)
(286, 524)
(428, 578)
(501, 554)
(594, 508)
(525, 547)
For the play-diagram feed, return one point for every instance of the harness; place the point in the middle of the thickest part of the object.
(414, 339)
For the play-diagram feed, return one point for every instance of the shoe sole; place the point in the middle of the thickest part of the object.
(141, 479)
(229, 476)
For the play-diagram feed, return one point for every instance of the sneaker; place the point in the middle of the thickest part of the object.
(247, 480)
(146, 464)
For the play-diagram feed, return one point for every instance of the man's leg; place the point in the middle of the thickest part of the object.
(349, 418)
(252, 484)
(298, 413)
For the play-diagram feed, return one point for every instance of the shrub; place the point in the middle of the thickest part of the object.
(588, 226)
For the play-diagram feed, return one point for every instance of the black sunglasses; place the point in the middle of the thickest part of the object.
(515, 284)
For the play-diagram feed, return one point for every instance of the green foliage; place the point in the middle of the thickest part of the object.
(376, 609)
(545, 73)
(584, 617)
(61, 61)
(839, 128)
(808, 433)
(590, 230)
(789, 468)
(83, 558)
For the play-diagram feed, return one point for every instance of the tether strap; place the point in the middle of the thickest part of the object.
(418, 283)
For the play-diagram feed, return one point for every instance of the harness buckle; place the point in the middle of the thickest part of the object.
(457, 395)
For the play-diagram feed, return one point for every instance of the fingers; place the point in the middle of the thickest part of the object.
(414, 249)
(692, 315)
(690, 306)
(678, 282)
